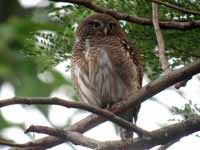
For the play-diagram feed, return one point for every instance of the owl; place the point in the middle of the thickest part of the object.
(105, 67)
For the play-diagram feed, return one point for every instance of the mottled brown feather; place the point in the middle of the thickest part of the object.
(105, 67)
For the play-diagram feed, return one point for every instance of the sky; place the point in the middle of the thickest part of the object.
(151, 116)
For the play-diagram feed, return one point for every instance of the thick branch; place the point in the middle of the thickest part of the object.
(159, 85)
(165, 146)
(69, 104)
(74, 137)
(180, 9)
(160, 136)
(138, 20)
(50, 141)
(145, 93)
(8, 143)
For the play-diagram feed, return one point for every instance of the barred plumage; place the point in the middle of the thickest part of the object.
(103, 69)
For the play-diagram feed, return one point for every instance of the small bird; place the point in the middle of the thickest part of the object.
(105, 67)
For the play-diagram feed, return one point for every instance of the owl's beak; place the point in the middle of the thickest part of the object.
(105, 30)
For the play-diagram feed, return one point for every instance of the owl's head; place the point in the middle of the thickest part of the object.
(99, 25)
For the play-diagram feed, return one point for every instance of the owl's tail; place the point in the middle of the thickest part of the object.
(131, 116)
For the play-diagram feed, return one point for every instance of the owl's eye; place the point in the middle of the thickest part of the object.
(111, 25)
(96, 24)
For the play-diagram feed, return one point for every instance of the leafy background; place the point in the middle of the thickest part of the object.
(35, 40)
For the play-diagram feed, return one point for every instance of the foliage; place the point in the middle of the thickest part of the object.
(187, 111)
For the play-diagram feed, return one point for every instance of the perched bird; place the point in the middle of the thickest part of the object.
(105, 67)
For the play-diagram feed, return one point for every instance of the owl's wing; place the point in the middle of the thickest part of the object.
(80, 76)
(125, 63)
(135, 55)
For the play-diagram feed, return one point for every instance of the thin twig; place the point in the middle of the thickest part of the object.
(180, 9)
(159, 37)
(139, 20)
(161, 46)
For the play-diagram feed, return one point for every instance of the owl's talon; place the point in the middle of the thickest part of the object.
(107, 106)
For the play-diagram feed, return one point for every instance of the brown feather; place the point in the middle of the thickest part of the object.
(105, 67)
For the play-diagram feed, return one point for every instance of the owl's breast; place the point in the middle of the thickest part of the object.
(102, 71)
(105, 79)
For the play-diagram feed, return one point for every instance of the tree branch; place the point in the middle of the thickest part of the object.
(69, 104)
(138, 20)
(160, 136)
(50, 141)
(165, 146)
(159, 85)
(146, 92)
(161, 46)
(74, 137)
(180, 9)
(8, 143)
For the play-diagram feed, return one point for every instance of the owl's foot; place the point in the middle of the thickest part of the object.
(125, 133)
(108, 106)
